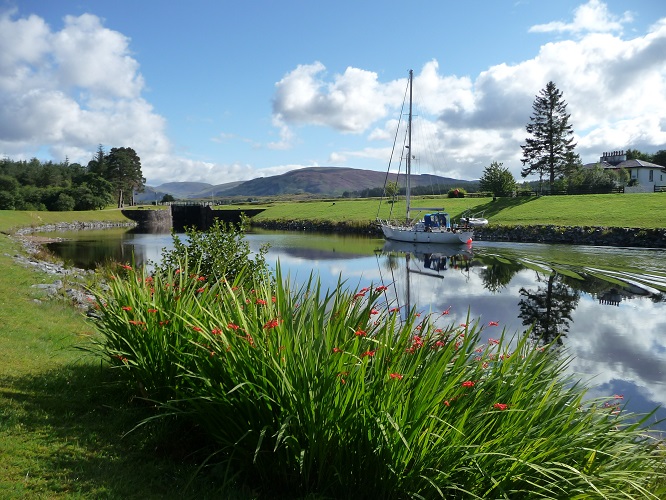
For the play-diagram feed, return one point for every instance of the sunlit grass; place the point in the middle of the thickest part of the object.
(611, 210)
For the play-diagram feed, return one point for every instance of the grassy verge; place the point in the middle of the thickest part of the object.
(62, 419)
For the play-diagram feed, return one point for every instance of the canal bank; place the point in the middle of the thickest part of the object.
(573, 235)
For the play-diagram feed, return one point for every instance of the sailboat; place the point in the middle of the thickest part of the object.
(435, 226)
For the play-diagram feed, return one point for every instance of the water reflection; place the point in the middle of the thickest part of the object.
(609, 316)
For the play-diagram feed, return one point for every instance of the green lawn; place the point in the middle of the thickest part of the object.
(613, 210)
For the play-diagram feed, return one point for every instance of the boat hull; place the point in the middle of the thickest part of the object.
(411, 235)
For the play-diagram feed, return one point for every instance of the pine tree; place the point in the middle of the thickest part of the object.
(551, 146)
(124, 172)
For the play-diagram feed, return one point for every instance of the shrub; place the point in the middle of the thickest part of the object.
(457, 193)
(220, 252)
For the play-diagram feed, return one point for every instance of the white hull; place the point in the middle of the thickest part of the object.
(412, 235)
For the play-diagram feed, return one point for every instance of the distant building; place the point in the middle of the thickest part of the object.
(645, 175)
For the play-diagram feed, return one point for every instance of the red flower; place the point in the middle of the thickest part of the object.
(261, 302)
(396, 376)
(201, 290)
(216, 331)
(500, 406)
(447, 311)
(272, 323)
(135, 322)
(360, 333)
(196, 328)
(618, 396)
(232, 326)
(127, 308)
(374, 311)
(493, 323)
(464, 325)
(493, 341)
(152, 310)
(126, 267)
(468, 383)
(337, 350)
(394, 310)
(201, 278)
(381, 289)
(165, 322)
(359, 295)
(368, 353)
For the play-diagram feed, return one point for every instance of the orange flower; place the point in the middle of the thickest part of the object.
(468, 383)
(360, 333)
(500, 406)
(396, 376)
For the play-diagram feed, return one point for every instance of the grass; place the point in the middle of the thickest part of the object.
(613, 210)
(62, 419)
(13, 219)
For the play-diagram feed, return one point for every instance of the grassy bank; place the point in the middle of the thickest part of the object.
(62, 419)
(612, 210)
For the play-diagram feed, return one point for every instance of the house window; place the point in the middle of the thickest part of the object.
(651, 175)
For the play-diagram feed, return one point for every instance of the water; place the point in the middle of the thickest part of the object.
(607, 302)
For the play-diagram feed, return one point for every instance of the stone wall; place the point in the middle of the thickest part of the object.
(571, 235)
(149, 217)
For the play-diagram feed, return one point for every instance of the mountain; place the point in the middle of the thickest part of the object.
(329, 181)
(183, 189)
(323, 181)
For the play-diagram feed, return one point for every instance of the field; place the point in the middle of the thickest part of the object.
(611, 210)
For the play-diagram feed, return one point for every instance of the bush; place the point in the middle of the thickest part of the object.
(220, 252)
(457, 193)
(304, 391)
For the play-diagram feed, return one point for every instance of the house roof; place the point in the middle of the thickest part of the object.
(625, 164)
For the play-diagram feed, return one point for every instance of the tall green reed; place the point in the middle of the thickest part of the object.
(304, 390)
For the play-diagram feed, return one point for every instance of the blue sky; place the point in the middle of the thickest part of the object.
(219, 91)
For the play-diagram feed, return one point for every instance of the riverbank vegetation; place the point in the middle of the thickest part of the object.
(302, 391)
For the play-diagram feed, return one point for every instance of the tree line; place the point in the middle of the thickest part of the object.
(109, 178)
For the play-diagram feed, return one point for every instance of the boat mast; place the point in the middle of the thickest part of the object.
(408, 186)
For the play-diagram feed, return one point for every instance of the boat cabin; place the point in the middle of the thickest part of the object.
(437, 220)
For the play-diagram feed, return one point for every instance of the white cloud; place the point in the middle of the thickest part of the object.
(590, 17)
(349, 104)
(71, 90)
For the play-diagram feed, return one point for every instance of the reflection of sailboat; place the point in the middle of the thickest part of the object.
(429, 260)
(435, 227)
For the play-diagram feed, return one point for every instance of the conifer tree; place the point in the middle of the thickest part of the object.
(550, 148)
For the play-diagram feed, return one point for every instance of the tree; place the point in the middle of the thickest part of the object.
(550, 149)
(497, 179)
(167, 198)
(659, 157)
(391, 190)
(123, 168)
(548, 310)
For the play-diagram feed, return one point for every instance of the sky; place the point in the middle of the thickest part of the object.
(219, 91)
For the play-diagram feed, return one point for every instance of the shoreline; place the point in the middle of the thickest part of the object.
(572, 235)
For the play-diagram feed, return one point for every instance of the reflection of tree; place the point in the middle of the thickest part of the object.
(548, 309)
(497, 275)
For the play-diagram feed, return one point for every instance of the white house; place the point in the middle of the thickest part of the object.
(643, 174)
